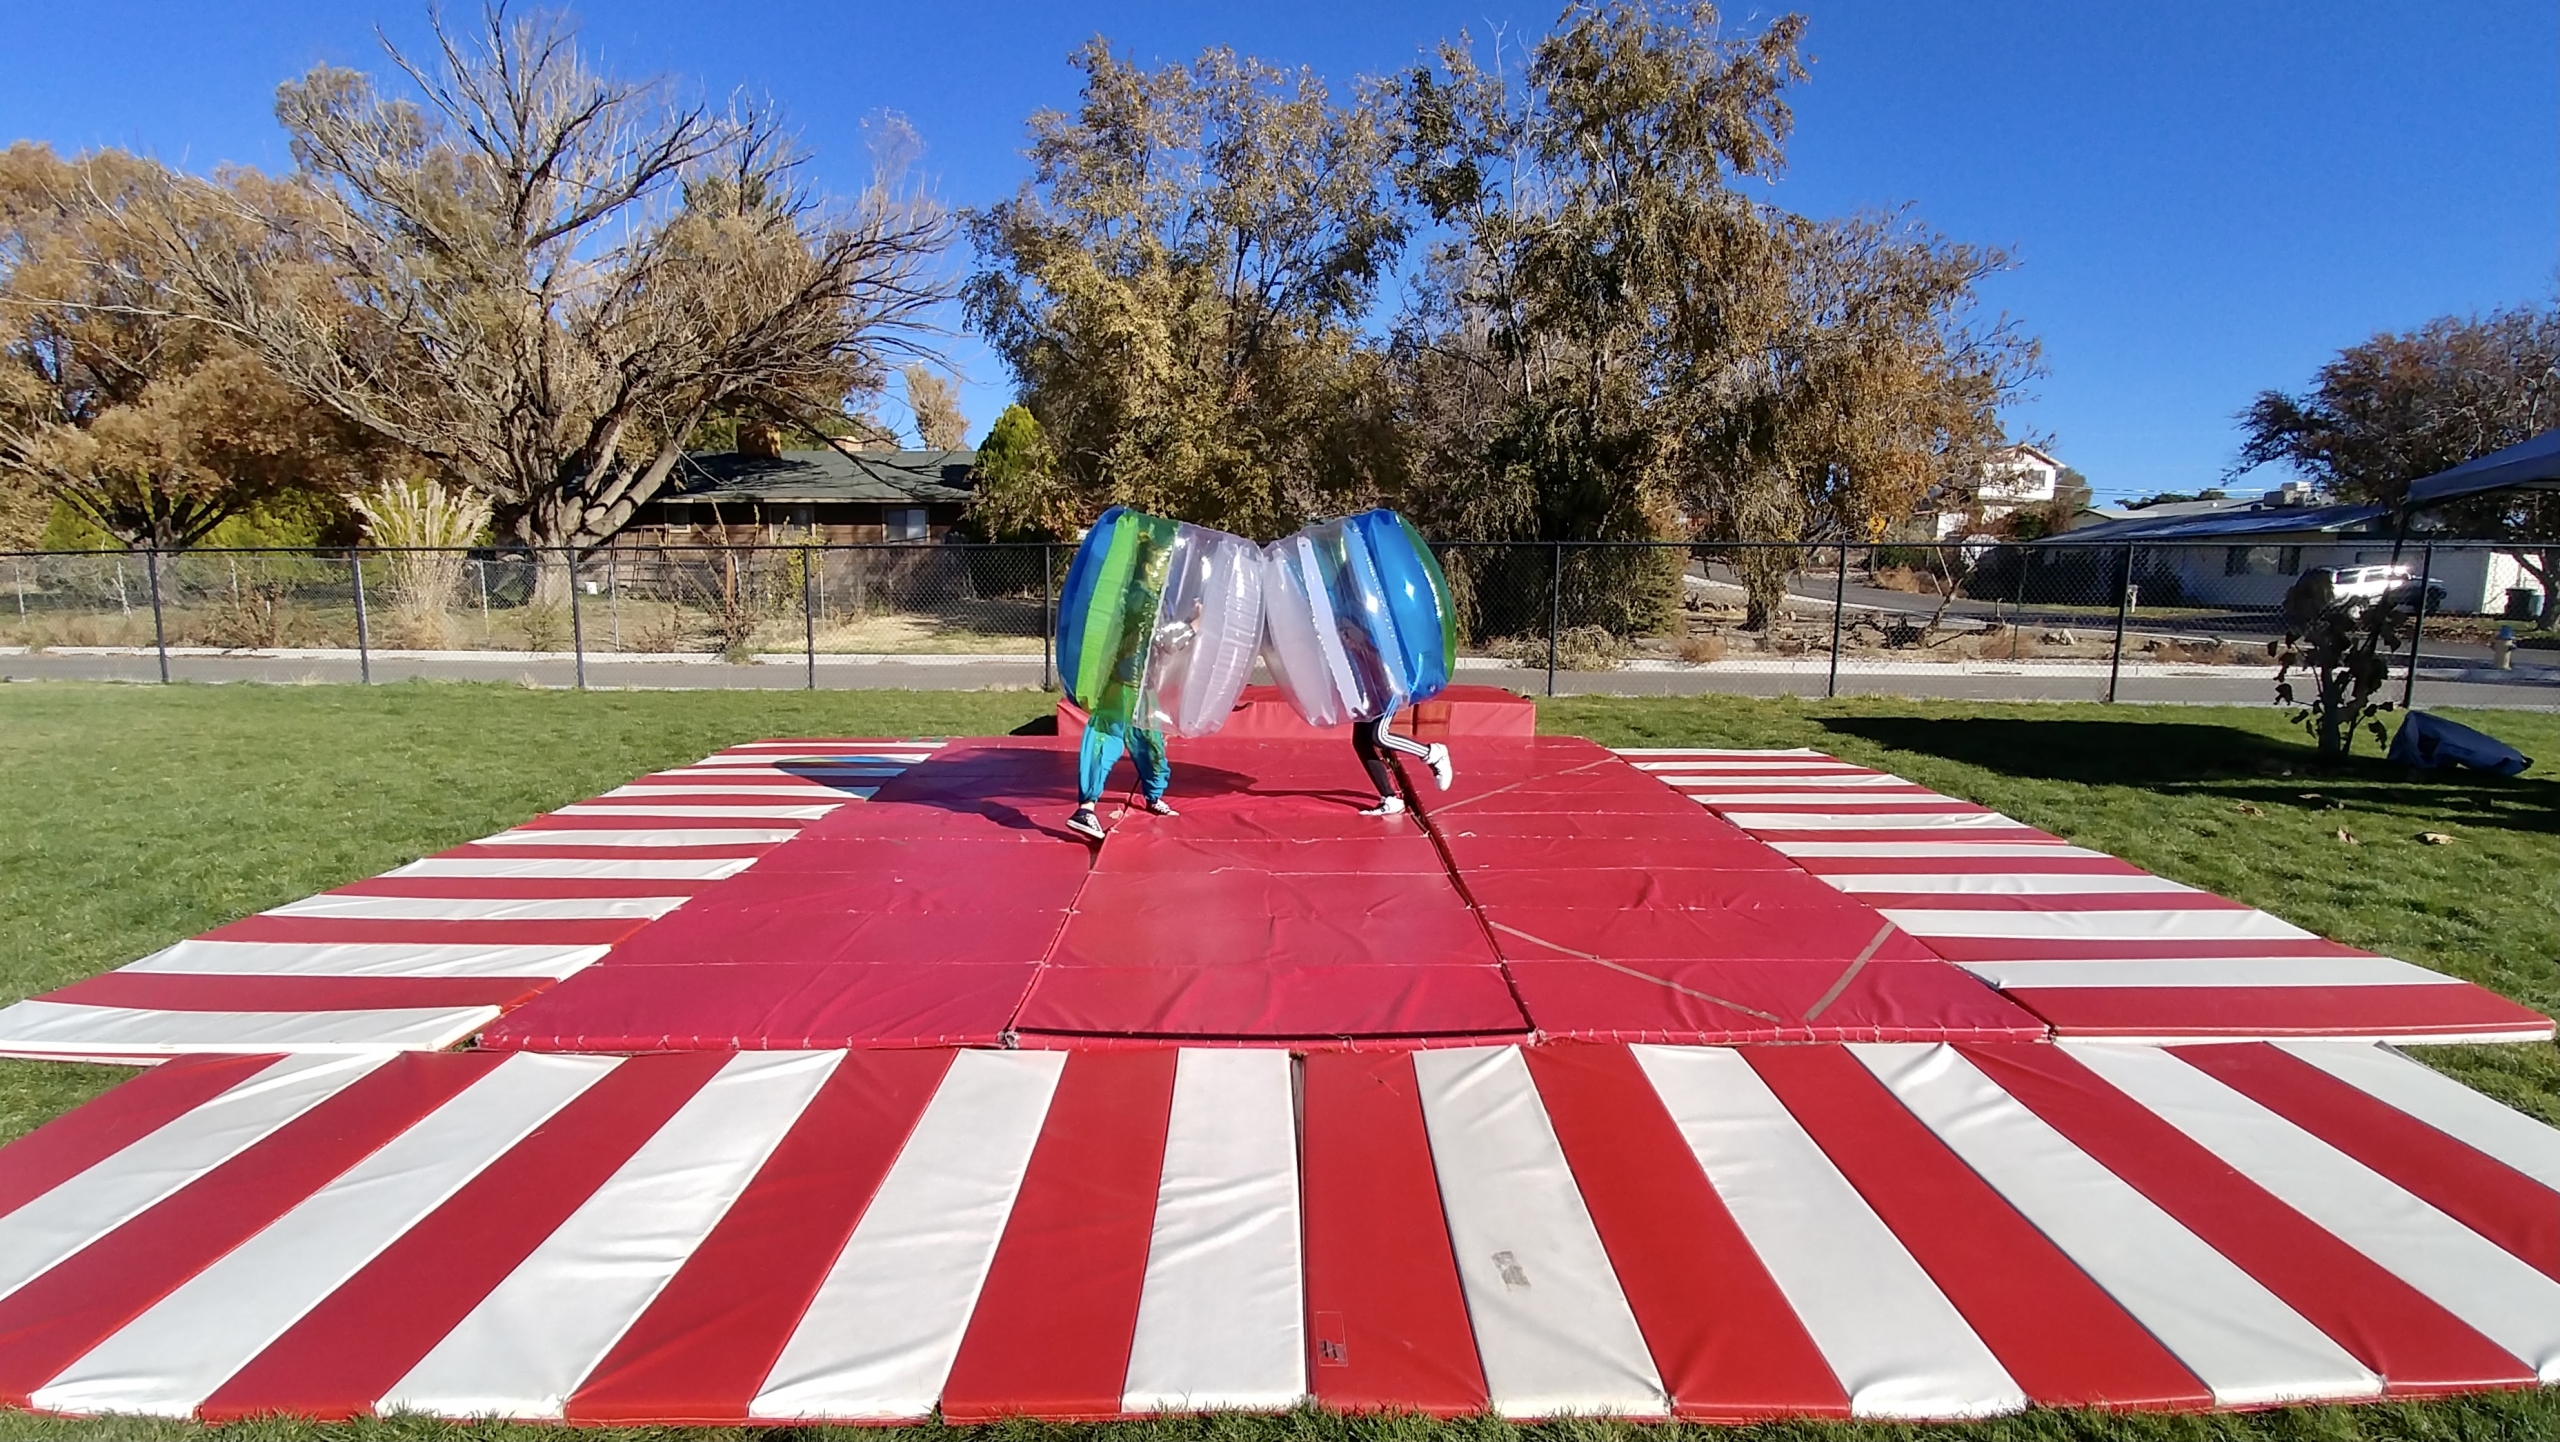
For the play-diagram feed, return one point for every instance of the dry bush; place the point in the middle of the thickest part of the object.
(422, 583)
(1702, 648)
(2213, 652)
(1902, 578)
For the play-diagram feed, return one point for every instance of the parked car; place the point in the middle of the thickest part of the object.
(2372, 583)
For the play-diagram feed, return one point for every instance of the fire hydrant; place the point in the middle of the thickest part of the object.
(2502, 649)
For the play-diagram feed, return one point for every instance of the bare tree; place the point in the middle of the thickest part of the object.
(544, 278)
(936, 404)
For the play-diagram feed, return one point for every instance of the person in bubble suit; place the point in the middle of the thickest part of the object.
(1103, 745)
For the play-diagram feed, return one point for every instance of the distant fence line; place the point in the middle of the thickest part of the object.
(1804, 609)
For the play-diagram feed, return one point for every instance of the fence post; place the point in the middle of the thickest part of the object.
(2124, 603)
(364, 636)
(613, 588)
(577, 618)
(159, 633)
(1555, 613)
(1839, 602)
(2418, 627)
(809, 611)
(1048, 619)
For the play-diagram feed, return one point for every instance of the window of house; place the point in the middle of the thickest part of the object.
(2292, 561)
(2255, 560)
(904, 523)
(801, 518)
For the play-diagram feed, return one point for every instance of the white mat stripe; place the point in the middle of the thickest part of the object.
(479, 908)
(39, 1028)
(2181, 925)
(528, 1344)
(1221, 1316)
(580, 868)
(2236, 1336)
(1898, 1346)
(367, 958)
(2023, 850)
(2472, 1277)
(638, 812)
(2209, 971)
(806, 791)
(37, 1236)
(168, 1360)
(2441, 1102)
(878, 1340)
(724, 836)
(1874, 821)
(1552, 1326)
(2007, 883)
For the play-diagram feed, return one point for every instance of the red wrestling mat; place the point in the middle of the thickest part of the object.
(1558, 890)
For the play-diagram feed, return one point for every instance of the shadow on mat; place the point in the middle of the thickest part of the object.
(2179, 758)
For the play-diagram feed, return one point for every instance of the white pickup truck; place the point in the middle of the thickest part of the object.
(2372, 583)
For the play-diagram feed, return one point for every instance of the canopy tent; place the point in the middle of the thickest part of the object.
(2532, 465)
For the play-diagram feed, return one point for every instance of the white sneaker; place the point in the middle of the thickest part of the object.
(1441, 770)
(1160, 807)
(1387, 806)
(1085, 823)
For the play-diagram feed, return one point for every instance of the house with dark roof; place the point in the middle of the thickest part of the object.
(824, 497)
(2236, 552)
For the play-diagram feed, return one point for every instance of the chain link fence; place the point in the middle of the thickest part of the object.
(2054, 618)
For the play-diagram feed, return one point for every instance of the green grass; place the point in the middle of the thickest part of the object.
(142, 815)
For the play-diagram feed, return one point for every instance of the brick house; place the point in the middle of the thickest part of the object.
(829, 497)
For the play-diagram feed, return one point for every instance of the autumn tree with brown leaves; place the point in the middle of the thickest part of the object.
(545, 277)
(153, 427)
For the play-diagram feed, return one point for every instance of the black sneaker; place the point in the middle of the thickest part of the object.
(1085, 823)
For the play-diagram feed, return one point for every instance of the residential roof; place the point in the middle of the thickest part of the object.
(824, 475)
(2203, 521)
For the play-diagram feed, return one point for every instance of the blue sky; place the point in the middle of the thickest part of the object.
(2205, 199)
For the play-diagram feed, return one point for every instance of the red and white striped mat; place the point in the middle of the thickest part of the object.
(1887, 1230)
(2091, 945)
(429, 953)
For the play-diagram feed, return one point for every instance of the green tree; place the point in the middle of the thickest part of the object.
(2401, 406)
(1020, 494)
(1180, 289)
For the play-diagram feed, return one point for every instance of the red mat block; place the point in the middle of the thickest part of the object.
(699, 1353)
(1275, 1003)
(1157, 852)
(1040, 870)
(2395, 1330)
(364, 1337)
(2056, 1331)
(1387, 1323)
(1051, 1333)
(962, 889)
(1643, 889)
(58, 1317)
(1727, 851)
(1839, 933)
(1724, 1339)
(710, 933)
(2485, 1194)
(2434, 1011)
(656, 1008)
(1736, 1001)
(1239, 919)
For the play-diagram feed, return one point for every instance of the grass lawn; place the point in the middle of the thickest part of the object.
(141, 815)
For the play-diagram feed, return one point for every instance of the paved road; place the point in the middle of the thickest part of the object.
(2080, 682)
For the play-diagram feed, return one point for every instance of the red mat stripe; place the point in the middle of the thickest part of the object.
(2511, 1209)
(2056, 1331)
(355, 1346)
(89, 1134)
(1386, 1321)
(56, 1318)
(1054, 1322)
(2207, 1012)
(2388, 1325)
(703, 1348)
(1723, 1337)
(522, 888)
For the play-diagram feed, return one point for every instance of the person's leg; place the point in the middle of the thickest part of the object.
(1435, 755)
(1365, 738)
(1095, 757)
(1155, 769)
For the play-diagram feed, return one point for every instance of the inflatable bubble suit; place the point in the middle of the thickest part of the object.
(1159, 623)
(1357, 618)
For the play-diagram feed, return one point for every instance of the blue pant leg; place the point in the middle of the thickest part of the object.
(1094, 760)
(1155, 769)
